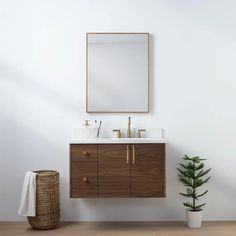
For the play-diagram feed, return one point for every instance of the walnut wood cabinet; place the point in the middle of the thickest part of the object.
(113, 171)
(117, 170)
(83, 171)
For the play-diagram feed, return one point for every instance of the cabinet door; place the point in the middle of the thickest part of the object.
(83, 171)
(148, 170)
(113, 171)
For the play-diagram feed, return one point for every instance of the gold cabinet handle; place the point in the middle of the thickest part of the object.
(85, 179)
(85, 153)
(127, 153)
(133, 148)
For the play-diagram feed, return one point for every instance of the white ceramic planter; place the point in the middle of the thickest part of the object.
(194, 218)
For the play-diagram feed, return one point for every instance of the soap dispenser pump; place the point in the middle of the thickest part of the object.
(86, 123)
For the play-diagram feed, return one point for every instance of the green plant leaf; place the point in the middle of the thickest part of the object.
(197, 159)
(187, 158)
(206, 180)
(199, 173)
(186, 195)
(191, 174)
(189, 166)
(186, 173)
(189, 195)
(200, 166)
(185, 181)
(184, 166)
(200, 195)
(188, 204)
(199, 206)
(202, 173)
(200, 182)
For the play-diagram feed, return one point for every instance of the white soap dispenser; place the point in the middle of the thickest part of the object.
(86, 129)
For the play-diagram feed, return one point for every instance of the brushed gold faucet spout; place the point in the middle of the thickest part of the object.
(129, 128)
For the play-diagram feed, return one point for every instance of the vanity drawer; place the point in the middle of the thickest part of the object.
(83, 152)
(83, 169)
(84, 187)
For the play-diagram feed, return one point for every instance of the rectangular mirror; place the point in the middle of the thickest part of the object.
(117, 72)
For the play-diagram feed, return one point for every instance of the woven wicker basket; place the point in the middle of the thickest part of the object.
(47, 200)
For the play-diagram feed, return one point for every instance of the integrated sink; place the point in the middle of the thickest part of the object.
(119, 140)
(85, 135)
(131, 139)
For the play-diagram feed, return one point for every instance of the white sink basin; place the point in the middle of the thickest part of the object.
(131, 139)
(118, 140)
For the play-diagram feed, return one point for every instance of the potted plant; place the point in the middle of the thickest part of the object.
(193, 176)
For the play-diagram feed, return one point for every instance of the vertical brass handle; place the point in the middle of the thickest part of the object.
(133, 148)
(127, 153)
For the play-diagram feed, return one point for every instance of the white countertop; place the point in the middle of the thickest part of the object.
(117, 140)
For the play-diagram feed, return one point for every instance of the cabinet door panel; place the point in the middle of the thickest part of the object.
(83, 171)
(113, 171)
(148, 171)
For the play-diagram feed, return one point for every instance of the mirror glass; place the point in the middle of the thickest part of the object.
(117, 72)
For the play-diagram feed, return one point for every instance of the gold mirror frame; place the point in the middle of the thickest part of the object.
(148, 76)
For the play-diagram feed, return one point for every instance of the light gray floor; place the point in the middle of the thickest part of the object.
(121, 229)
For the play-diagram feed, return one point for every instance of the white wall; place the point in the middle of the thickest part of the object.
(42, 89)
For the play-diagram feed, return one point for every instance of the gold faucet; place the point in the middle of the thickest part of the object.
(129, 129)
(118, 133)
(139, 133)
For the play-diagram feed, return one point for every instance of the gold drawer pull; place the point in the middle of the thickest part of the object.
(127, 157)
(85, 153)
(85, 179)
(133, 148)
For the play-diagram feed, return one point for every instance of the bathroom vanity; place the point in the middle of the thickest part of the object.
(122, 168)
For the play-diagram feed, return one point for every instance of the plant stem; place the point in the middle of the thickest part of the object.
(194, 203)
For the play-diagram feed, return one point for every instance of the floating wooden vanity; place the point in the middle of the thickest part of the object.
(117, 170)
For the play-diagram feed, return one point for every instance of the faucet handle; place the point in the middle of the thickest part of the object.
(139, 133)
(118, 133)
